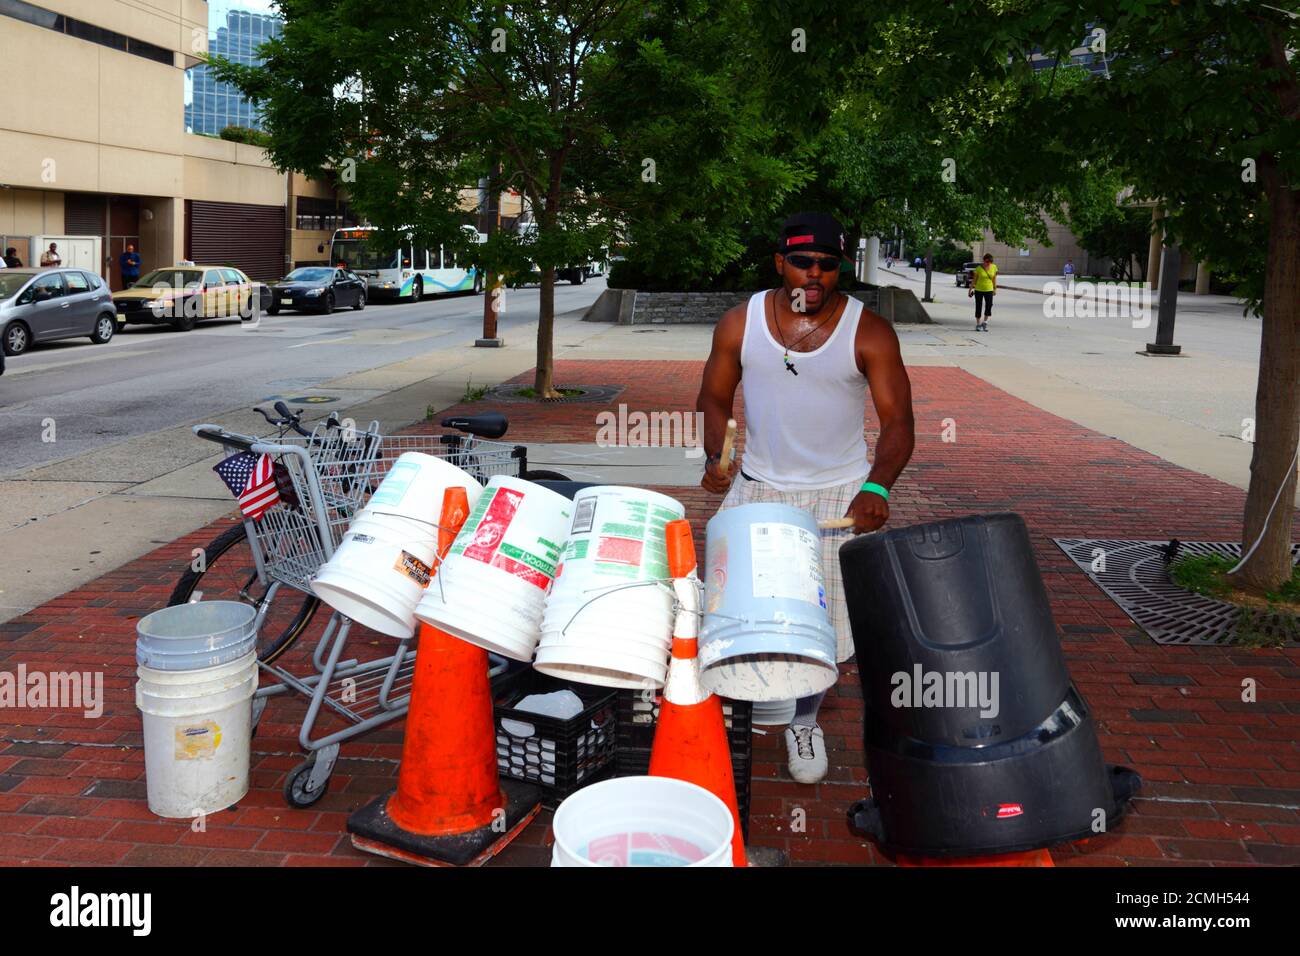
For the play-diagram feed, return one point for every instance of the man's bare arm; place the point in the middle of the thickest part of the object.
(721, 377)
(718, 392)
(891, 393)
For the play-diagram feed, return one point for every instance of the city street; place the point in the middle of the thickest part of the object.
(124, 473)
(149, 377)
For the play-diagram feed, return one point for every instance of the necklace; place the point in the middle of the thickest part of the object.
(789, 366)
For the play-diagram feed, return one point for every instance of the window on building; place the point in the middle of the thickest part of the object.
(60, 23)
(324, 215)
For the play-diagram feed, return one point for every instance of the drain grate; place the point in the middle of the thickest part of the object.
(1133, 575)
(589, 393)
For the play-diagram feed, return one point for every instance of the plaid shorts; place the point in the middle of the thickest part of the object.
(823, 503)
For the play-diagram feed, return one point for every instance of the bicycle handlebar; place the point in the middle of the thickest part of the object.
(287, 418)
(217, 434)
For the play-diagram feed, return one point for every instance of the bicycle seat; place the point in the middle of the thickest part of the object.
(487, 425)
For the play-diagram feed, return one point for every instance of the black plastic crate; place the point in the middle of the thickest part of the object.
(560, 756)
(638, 717)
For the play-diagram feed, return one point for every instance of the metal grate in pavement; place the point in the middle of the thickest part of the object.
(1133, 575)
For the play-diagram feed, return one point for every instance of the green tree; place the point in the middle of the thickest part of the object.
(670, 125)
(412, 102)
(1198, 108)
(1107, 225)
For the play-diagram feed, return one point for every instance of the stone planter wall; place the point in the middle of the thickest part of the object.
(630, 307)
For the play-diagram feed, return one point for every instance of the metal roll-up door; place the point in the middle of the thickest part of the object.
(242, 235)
(83, 214)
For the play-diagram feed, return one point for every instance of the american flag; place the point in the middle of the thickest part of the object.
(252, 479)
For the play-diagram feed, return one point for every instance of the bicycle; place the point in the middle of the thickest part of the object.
(226, 569)
(331, 472)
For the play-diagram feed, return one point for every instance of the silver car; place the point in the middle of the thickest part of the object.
(40, 305)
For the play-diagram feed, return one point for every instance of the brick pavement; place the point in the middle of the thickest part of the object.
(1222, 777)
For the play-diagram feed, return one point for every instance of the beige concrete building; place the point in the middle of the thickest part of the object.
(1035, 258)
(92, 143)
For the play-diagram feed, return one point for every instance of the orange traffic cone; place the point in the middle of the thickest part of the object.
(449, 808)
(691, 739)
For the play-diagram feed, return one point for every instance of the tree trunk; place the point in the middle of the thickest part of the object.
(929, 272)
(1277, 396)
(544, 382)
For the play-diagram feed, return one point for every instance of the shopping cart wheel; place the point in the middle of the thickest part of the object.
(302, 788)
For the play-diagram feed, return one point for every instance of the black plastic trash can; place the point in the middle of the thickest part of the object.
(977, 742)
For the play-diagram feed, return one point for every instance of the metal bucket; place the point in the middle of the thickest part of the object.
(767, 634)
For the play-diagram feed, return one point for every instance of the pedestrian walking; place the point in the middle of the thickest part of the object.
(983, 289)
(804, 409)
(130, 264)
(11, 258)
(1068, 271)
(51, 257)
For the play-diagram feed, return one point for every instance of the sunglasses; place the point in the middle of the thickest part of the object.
(826, 264)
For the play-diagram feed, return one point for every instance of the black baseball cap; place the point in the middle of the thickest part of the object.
(812, 232)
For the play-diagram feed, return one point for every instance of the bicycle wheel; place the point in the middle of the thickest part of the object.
(229, 574)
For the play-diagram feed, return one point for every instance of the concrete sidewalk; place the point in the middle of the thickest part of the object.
(1191, 409)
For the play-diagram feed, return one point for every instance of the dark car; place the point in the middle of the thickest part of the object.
(318, 289)
(966, 275)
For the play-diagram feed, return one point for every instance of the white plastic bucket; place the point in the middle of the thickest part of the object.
(604, 666)
(414, 486)
(767, 633)
(189, 637)
(381, 567)
(642, 821)
(197, 734)
(604, 596)
(378, 573)
(490, 589)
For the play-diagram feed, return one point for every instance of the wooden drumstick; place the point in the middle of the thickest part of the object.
(833, 523)
(728, 446)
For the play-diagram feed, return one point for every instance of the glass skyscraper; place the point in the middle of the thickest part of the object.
(217, 105)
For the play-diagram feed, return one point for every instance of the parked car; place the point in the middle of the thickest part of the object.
(41, 305)
(318, 289)
(181, 295)
(966, 275)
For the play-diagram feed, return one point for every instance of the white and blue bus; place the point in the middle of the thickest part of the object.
(408, 273)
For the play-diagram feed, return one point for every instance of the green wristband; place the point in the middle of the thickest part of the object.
(876, 489)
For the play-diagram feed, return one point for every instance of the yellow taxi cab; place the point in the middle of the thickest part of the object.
(186, 293)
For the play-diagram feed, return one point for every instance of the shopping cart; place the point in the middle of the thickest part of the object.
(332, 471)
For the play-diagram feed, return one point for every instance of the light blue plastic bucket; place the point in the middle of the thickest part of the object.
(767, 634)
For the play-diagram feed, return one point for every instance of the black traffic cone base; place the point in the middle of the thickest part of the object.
(373, 831)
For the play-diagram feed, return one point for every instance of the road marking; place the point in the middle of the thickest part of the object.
(80, 361)
(335, 340)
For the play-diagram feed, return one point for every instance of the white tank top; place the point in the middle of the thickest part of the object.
(805, 431)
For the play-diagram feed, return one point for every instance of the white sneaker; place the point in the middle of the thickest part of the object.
(806, 749)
